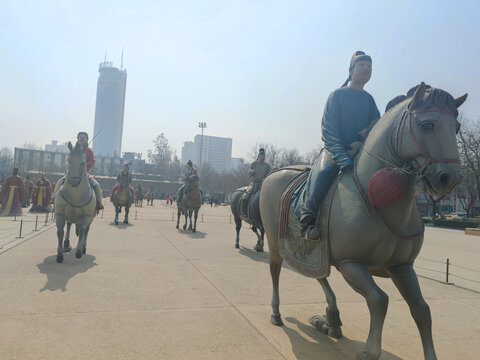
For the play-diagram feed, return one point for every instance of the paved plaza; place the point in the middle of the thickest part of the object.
(149, 291)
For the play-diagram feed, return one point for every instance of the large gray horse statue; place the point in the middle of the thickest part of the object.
(75, 203)
(191, 202)
(253, 219)
(122, 198)
(363, 234)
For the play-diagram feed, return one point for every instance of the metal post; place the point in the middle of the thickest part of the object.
(202, 125)
(36, 223)
(448, 265)
(46, 219)
(102, 213)
(173, 215)
(21, 224)
(15, 217)
(135, 214)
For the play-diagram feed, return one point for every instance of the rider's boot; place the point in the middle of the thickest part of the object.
(98, 196)
(319, 180)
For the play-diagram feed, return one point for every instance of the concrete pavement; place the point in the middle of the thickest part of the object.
(149, 291)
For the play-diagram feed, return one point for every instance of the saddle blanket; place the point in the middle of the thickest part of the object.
(309, 258)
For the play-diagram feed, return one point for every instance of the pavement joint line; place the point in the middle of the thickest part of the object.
(223, 295)
(26, 238)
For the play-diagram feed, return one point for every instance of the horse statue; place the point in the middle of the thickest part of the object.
(150, 196)
(253, 219)
(376, 234)
(138, 196)
(122, 198)
(191, 202)
(75, 203)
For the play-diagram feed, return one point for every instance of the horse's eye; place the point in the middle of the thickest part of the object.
(427, 126)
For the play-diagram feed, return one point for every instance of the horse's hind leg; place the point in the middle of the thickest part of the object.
(185, 211)
(238, 226)
(60, 222)
(190, 212)
(127, 210)
(66, 243)
(178, 216)
(360, 279)
(405, 279)
(330, 323)
(275, 267)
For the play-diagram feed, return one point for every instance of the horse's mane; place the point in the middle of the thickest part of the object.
(435, 99)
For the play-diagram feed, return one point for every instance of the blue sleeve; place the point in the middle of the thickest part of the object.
(374, 113)
(331, 132)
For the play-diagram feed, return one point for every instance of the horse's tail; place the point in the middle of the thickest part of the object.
(235, 203)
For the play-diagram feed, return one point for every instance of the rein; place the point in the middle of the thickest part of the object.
(72, 205)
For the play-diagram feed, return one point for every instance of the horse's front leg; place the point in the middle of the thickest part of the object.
(185, 211)
(60, 222)
(66, 243)
(329, 323)
(127, 210)
(84, 222)
(360, 279)
(117, 210)
(405, 279)
(195, 217)
(259, 245)
(190, 212)
(179, 212)
(238, 226)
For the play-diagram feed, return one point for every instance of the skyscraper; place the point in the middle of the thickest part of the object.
(109, 110)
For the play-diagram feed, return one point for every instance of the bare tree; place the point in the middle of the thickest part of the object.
(6, 159)
(291, 157)
(161, 155)
(469, 149)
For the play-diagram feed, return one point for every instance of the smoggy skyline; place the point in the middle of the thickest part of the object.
(255, 71)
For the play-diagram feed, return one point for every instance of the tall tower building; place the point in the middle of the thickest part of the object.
(109, 110)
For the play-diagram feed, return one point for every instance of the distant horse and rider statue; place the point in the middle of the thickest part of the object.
(355, 207)
(123, 194)
(189, 198)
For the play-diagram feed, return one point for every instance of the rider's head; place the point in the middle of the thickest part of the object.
(189, 165)
(82, 138)
(360, 69)
(125, 167)
(15, 171)
(261, 155)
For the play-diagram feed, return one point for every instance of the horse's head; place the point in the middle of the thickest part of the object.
(426, 138)
(77, 168)
(124, 179)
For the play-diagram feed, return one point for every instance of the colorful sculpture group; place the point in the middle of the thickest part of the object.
(17, 193)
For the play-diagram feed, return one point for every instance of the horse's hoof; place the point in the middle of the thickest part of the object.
(185, 227)
(176, 226)
(276, 320)
(78, 254)
(321, 324)
(363, 355)
(125, 221)
(67, 249)
(116, 222)
(59, 258)
(237, 246)
(84, 250)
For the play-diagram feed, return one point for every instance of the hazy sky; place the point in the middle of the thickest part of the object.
(255, 71)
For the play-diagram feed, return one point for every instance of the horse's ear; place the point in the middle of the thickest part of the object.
(70, 146)
(460, 100)
(418, 96)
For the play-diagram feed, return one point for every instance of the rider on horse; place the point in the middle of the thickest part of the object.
(348, 110)
(191, 171)
(124, 172)
(259, 170)
(82, 139)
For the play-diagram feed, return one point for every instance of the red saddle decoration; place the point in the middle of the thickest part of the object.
(387, 187)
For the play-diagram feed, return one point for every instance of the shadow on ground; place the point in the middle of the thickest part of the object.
(58, 275)
(322, 345)
(195, 235)
(120, 225)
(255, 255)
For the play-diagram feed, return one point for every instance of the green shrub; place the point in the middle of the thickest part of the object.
(456, 224)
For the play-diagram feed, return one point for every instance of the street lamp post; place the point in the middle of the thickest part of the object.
(201, 125)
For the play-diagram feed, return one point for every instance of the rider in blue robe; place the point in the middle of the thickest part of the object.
(348, 110)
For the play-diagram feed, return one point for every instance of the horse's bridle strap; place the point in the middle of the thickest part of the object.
(399, 138)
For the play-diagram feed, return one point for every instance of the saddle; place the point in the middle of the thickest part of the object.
(253, 207)
(308, 257)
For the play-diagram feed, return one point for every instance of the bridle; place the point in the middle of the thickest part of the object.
(406, 120)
